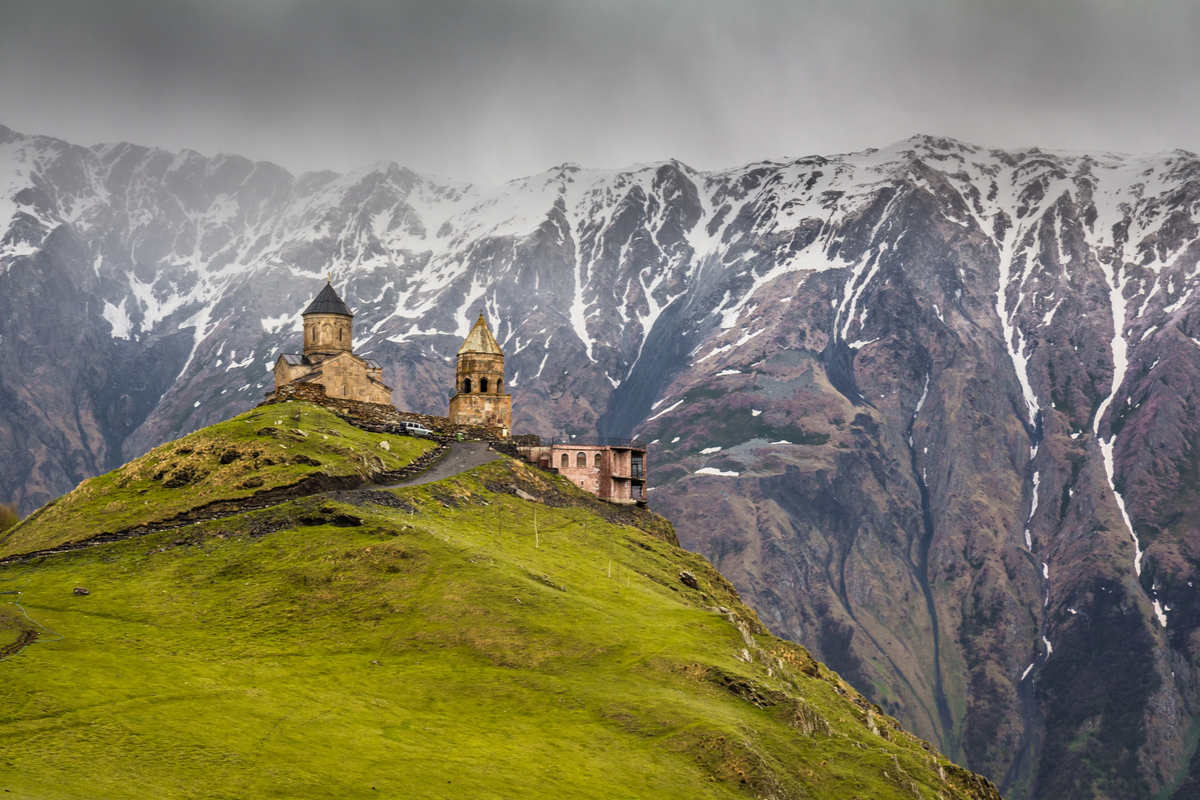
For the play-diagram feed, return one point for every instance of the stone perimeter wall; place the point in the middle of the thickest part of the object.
(377, 413)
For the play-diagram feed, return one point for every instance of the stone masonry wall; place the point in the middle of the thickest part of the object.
(345, 377)
(491, 410)
(378, 413)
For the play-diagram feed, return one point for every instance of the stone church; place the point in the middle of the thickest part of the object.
(328, 359)
(479, 397)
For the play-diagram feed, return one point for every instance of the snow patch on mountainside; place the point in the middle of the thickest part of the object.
(118, 318)
(1106, 448)
(716, 472)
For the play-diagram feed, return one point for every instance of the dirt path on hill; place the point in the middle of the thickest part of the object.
(461, 457)
(457, 458)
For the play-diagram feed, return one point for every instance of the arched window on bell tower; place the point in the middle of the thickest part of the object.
(483, 385)
(466, 386)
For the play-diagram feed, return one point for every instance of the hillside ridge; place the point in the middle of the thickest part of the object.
(372, 610)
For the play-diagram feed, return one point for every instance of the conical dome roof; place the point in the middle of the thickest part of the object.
(480, 340)
(328, 302)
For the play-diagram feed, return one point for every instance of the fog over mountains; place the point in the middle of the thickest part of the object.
(933, 408)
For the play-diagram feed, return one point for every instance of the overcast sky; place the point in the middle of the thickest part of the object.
(491, 90)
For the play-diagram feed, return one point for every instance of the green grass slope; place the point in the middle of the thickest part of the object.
(268, 448)
(443, 641)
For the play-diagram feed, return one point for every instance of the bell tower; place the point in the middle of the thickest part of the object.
(479, 397)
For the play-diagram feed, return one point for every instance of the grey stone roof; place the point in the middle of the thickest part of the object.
(328, 302)
(298, 360)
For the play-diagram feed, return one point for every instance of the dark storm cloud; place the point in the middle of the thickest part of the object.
(491, 90)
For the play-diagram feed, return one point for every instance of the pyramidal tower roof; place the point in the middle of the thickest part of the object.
(328, 302)
(480, 340)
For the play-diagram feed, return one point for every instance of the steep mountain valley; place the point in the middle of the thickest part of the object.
(931, 408)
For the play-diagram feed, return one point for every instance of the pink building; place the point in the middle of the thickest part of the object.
(616, 473)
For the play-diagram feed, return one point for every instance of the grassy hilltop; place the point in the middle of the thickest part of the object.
(421, 642)
(259, 451)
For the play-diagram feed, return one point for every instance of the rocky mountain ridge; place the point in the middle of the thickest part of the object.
(932, 407)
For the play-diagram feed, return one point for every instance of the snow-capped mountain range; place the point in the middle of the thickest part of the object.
(932, 407)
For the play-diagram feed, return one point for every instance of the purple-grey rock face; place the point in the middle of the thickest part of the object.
(932, 408)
